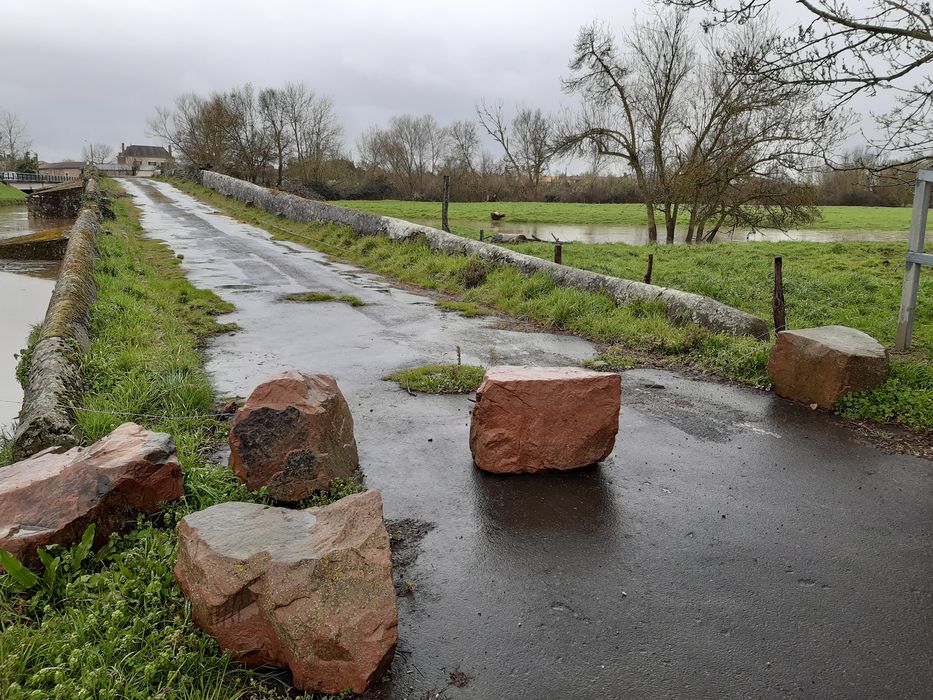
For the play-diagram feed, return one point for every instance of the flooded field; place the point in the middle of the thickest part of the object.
(634, 235)
(25, 288)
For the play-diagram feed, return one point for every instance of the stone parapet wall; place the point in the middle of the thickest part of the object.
(54, 381)
(681, 305)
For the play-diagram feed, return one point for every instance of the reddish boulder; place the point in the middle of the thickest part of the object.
(307, 589)
(818, 365)
(294, 435)
(530, 419)
(53, 496)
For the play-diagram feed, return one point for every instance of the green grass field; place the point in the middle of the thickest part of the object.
(10, 195)
(856, 284)
(834, 218)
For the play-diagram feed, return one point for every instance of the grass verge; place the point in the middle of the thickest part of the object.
(115, 624)
(439, 379)
(11, 195)
(846, 283)
(311, 297)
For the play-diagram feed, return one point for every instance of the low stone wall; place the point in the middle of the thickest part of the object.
(60, 202)
(681, 305)
(45, 245)
(47, 418)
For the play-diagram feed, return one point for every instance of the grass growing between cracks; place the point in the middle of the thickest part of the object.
(114, 624)
(324, 296)
(439, 379)
(855, 284)
(465, 308)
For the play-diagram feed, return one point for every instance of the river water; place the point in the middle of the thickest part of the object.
(25, 289)
(608, 233)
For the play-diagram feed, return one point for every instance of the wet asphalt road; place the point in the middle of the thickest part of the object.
(734, 544)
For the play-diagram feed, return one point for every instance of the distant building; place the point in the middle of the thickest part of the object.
(114, 169)
(69, 168)
(144, 160)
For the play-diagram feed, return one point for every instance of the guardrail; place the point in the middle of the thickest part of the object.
(10, 176)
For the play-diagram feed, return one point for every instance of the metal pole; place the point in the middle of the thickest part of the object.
(777, 299)
(915, 256)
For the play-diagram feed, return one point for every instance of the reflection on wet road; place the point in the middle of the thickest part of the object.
(734, 545)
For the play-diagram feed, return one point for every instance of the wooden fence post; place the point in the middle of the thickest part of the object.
(445, 204)
(777, 301)
(481, 234)
(915, 259)
(558, 254)
(650, 265)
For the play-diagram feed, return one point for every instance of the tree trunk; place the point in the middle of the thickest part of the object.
(652, 223)
(670, 221)
(691, 224)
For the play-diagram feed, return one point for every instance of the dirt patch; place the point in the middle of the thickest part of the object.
(458, 679)
(405, 537)
(893, 439)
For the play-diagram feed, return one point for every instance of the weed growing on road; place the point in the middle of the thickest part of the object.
(439, 379)
(465, 308)
(324, 296)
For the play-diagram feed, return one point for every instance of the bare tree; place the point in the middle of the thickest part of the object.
(410, 149)
(873, 47)
(196, 128)
(464, 146)
(14, 138)
(526, 140)
(698, 131)
(250, 147)
(751, 142)
(273, 107)
(315, 133)
(608, 119)
(97, 153)
(323, 136)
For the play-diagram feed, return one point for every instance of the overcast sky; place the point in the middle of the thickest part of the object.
(80, 72)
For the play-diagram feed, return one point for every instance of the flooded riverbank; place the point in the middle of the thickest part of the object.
(25, 289)
(635, 235)
(15, 221)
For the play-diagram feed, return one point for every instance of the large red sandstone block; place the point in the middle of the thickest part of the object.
(53, 496)
(531, 419)
(818, 365)
(307, 589)
(294, 435)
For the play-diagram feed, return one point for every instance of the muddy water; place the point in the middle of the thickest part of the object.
(25, 288)
(15, 221)
(634, 235)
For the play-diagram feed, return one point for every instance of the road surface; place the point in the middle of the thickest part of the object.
(733, 545)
